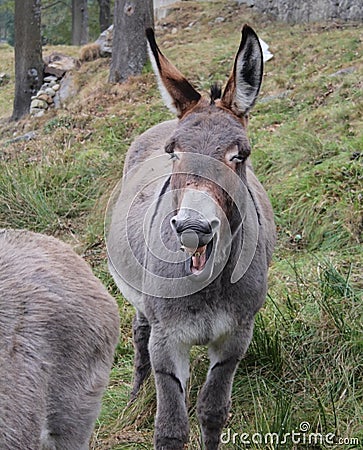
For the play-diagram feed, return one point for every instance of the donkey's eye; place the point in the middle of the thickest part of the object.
(174, 156)
(237, 158)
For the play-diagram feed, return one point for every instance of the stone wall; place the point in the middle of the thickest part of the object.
(309, 10)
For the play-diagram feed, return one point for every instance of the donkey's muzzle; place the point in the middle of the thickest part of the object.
(194, 232)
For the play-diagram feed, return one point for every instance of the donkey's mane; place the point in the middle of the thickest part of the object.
(215, 92)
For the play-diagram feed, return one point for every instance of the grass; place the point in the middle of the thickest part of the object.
(7, 88)
(304, 364)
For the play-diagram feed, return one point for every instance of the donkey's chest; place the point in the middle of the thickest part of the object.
(202, 332)
(200, 327)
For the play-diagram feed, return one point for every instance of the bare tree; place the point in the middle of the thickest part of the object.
(129, 52)
(105, 14)
(28, 55)
(79, 22)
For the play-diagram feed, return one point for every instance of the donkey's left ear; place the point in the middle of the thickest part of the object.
(178, 94)
(245, 81)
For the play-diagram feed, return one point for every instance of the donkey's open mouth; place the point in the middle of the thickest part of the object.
(197, 236)
(198, 258)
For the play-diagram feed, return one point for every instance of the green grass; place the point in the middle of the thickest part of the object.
(304, 363)
(7, 89)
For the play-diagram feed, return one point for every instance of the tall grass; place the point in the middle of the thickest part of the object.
(46, 197)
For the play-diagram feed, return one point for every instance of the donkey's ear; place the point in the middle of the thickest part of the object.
(178, 94)
(245, 80)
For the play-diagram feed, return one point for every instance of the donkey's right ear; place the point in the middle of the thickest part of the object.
(178, 94)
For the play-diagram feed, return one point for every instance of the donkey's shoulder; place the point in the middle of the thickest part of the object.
(264, 209)
(149, 144)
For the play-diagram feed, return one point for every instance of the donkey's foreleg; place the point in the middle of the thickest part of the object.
(170, 363)
(142, 366)
(214, 400)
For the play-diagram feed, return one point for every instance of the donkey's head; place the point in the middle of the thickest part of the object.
(209, 149)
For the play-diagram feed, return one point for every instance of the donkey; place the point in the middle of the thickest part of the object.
(58, 331)
(190, 237)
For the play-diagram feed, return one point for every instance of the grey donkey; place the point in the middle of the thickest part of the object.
(58, 332)
(190, 238)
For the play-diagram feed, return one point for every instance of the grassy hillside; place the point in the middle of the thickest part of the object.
(303, 371)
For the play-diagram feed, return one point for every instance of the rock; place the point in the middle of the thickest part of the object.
(49, 91)
(345, 71)
(105, 42)
(25, 137)
(36, 112)
(40, 92)
(162, 8)
(267, 55)
(45, 98)
(68, 89)
(37, 103)
(219, 19)
(4, 78)
(295, 12)
(58, 64)
(50, 78)
(249, 3)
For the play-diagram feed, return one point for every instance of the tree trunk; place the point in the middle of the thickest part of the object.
(28, 55)
(105, 14)
(129, 51)
(79, 22)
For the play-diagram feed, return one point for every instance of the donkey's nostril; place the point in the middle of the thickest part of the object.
(175, 223)
(215, 223)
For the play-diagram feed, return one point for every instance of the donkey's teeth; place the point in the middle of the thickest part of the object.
(199, 251)
(194, 252)
(199, 259)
